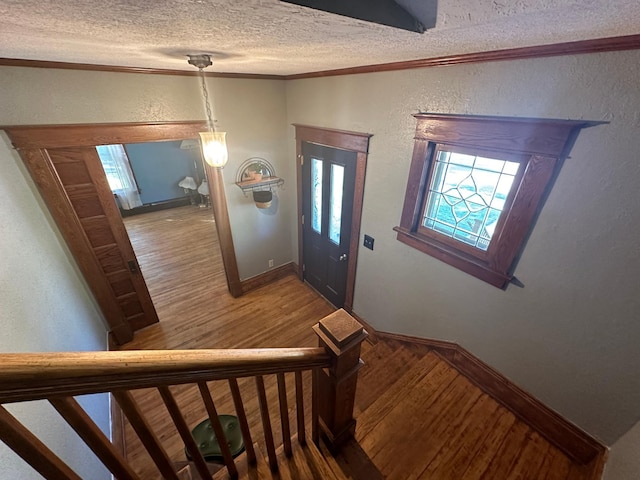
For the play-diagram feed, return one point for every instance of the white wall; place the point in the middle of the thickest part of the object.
(624, 462)
(252, 112)
(570, 337)
(44, 303)
(44, 306)
(254, 115)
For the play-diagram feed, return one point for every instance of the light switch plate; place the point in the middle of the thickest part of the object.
(368, 242)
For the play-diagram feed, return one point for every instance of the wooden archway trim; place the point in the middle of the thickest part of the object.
(345, 140)
(33, 141)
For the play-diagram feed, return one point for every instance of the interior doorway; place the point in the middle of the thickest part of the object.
(179, 256)
(65, 167)
(331, 166)
(163, 197)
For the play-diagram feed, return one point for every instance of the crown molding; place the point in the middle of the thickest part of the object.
(18, 62)
(609, 44)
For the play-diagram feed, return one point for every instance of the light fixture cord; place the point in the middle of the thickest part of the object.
(205, 94)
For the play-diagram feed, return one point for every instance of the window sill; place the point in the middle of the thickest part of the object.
(457, 259)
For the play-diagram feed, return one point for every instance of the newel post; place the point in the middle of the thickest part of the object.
(341, 335)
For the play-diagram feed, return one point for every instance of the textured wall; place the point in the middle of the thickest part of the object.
(35, 263)
(251, 111)
(623, 462)
(570, 337)
(44, 306)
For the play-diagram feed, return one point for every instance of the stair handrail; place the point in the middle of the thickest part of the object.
(59, 376)
(36, 376)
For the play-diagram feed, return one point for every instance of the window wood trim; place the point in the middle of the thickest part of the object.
(540, 143)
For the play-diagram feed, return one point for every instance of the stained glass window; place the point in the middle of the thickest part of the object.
(466, 196)
(335, 207)
(476, 185)
(316, 195)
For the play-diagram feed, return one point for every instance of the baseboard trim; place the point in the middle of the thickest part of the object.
(267, 277)
(155, 207)
(573, 441)
(373, 337)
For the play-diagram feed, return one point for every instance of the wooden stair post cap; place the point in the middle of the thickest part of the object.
(340, 330)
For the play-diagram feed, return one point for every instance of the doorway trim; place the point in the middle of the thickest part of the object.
(344, 140)
(29, 138)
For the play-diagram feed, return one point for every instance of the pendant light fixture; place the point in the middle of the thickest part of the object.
(214, 144)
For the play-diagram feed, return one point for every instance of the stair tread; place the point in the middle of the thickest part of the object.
(385, 402)
(383, 366)
(306, 462)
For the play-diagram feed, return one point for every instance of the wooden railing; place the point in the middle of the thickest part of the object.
(58, 377)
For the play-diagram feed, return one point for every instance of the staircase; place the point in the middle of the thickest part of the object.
(332, 369)
(305, 461)
(418, 417)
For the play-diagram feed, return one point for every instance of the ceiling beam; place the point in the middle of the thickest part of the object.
(411, 15)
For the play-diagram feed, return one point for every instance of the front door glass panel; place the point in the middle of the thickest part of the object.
(335, 206)
(316, 195)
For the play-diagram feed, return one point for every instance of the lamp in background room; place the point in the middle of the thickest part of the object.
(189, 185)
(203, 190)
(214, 144)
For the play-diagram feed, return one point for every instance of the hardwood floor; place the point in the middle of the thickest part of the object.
(420, 418)
(179, 256)
(417, 416)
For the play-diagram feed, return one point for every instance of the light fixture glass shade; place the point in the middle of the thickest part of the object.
(203, 189)
(188, 182)
(214, 148)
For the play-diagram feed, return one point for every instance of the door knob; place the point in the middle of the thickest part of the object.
(343, 257)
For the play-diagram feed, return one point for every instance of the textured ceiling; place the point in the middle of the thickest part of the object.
(270, 37)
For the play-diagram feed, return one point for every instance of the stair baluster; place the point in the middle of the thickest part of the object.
(32, 450)
(78, 419)
(185, 432)
(284, 414)
(145, 434)
(266, 423)
(300, 408)
(242, 419)
(57, 377)
(217, 429)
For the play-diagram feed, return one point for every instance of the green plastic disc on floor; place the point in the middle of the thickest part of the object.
(208, 443)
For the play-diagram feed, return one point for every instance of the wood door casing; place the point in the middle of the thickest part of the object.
(345, 140)
(64, 165)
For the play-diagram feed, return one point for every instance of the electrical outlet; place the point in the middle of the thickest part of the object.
(271, 263)
(368, 242)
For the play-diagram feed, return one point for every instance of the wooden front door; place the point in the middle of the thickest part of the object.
(65, 166)
(328, 180)
(351, 143)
